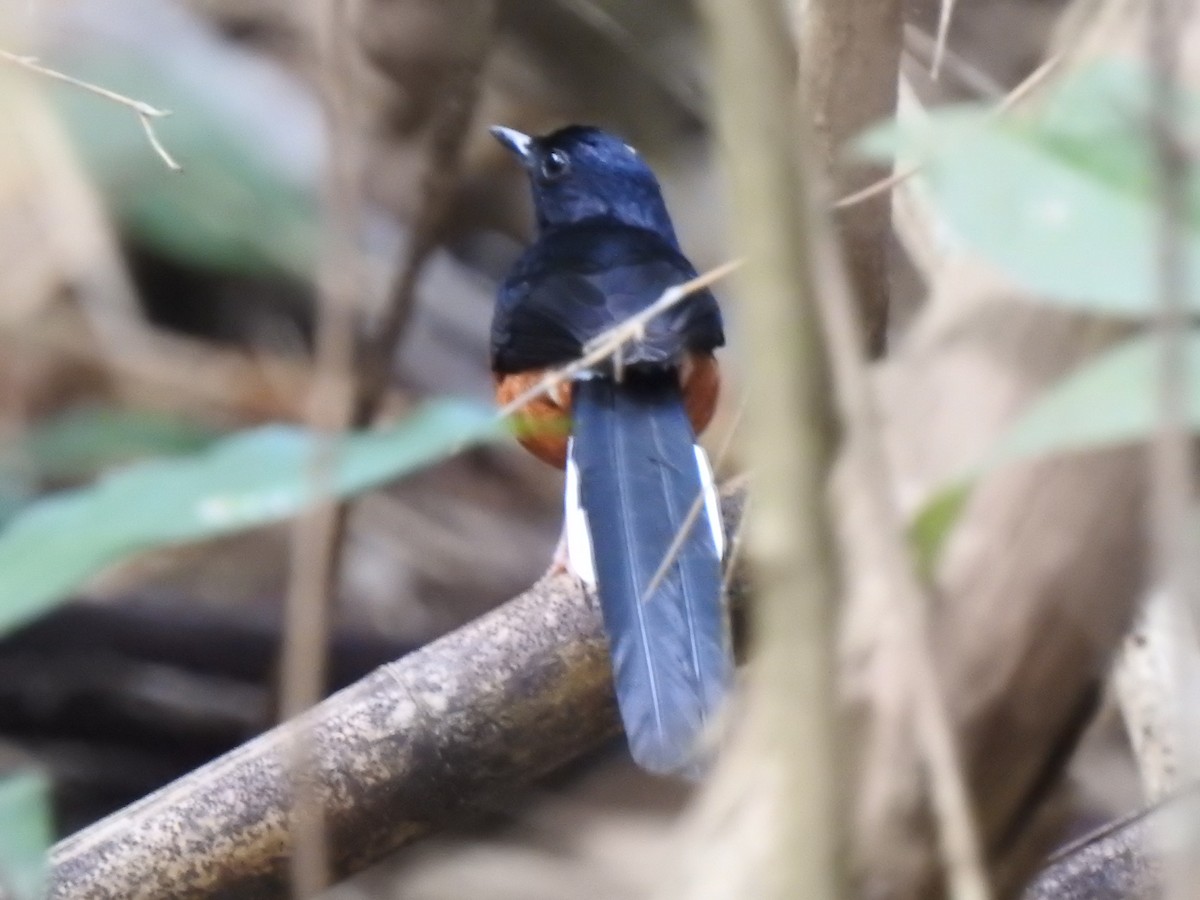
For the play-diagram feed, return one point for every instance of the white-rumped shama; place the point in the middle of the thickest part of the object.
(626, 433)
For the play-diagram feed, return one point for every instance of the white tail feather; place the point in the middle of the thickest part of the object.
(579, 535)
(712, 506)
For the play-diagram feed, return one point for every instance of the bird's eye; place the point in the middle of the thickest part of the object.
(555, 165)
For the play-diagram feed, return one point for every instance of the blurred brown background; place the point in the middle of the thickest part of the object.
(185, 303)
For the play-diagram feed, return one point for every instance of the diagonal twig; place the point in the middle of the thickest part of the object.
(922, 46)
(144, 111)
(943, 32)
(1011, 99)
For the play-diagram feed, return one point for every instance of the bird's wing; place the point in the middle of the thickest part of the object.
(578, 282)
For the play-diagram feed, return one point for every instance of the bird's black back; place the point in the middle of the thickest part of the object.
(577, 281)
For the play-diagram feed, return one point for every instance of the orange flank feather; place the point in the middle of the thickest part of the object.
(544, 423)
(701, 387)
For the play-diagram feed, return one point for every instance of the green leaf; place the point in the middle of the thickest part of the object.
(1109, 401)
(249, 479)
(25, 834)
(928, 532)
(83, 441)
(1063, 203)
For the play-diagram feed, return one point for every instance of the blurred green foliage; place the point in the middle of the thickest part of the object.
(927, 532)
(25, 834)
(1109, 401)
(1064, 201)
(248, 479)
(80, 442)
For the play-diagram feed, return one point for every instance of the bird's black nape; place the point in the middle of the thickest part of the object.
(580, 173)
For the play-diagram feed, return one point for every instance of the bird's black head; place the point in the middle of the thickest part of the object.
(580, 173)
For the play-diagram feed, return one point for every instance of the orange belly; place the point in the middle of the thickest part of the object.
(544, 424)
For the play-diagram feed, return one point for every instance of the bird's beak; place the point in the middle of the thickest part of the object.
(520, 144)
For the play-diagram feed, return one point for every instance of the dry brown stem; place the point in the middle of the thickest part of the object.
(448, 130)
(316, 536)
(776, 790)
(849, 63)
(1036, 588)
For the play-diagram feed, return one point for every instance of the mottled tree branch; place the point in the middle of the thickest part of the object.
(427, 741)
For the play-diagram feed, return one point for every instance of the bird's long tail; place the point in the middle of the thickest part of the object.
(639, 473)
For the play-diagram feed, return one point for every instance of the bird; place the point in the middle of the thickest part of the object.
(625, 429)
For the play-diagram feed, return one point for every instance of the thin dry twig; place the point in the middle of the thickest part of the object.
(882, 186)
(943, 33)
(957, 830)
(144, 111)
(1015, 96)
(1173, 488)
(610, 342)
(681, 89)
(315, 537)
(922, 46)
(448, 134)
(1031, 81)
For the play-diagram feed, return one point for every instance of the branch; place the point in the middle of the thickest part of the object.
(1049, 548)
(1152, 689)
(144, 111)
(1111, 863)
(424, 742)
(883, 550)
(882, 547)
(776, 791)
